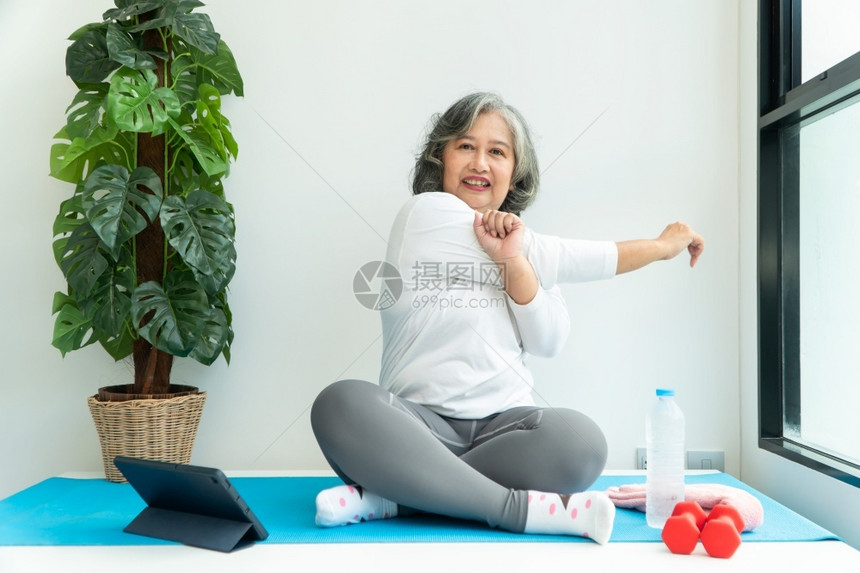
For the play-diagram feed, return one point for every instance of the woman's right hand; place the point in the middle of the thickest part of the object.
(500, 234)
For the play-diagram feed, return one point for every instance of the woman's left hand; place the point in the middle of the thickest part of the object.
(674, 239)
(679, 236)
(500, 234)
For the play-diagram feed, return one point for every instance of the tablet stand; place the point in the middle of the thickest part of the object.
(191, 529)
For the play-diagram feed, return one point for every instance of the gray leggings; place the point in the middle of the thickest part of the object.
(469, 469)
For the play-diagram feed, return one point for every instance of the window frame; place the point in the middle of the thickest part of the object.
(784, 105)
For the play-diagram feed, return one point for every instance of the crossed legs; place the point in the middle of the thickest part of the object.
(403, 455)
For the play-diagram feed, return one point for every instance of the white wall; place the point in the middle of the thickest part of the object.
(337, 96)
(831, 503)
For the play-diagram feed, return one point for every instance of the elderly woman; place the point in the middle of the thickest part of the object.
(452, 428)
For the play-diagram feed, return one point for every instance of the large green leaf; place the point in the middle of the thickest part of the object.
(136, 103)
(185, 78)
(82, 259)
(125, 9)
(213, 184)
(123, 49)
(193, 67)
(85, 111)
(212, 340)
(72, 329)
(121, 345)
(73, 325)
(106, 306)
(210, 118)
(183, 174)
(87, 59)
(171, 317)
(209, 124)
(116, 206)
(70, 217)
(197, 31)
(185, 6)
(208, 130)
(200, 228)
(73, 161)
(215, 283)
(166, 13)
(109, 302)
(186, 176)
(225, 307)
(221, 71)
(115, 307)
(86, 28)
(200, 145)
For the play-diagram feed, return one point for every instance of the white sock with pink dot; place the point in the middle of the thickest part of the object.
(347, 504)
(588, 514)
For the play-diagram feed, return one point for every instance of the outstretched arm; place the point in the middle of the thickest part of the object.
(673, 240)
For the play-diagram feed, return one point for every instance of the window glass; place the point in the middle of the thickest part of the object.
(829, 195)
(829, 35)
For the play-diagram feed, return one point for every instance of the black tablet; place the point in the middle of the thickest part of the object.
(194, 505)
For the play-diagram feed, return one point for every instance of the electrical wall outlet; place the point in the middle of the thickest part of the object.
(706, 460)
(696, 460)
(641, 462)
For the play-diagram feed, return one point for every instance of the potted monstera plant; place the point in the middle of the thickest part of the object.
(146, 239)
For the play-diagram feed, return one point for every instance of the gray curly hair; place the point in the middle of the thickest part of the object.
(457, 121)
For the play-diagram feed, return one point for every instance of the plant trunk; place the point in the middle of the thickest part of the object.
(151, 366)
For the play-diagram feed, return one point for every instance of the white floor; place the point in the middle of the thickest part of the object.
(830, 556)
(758, 557)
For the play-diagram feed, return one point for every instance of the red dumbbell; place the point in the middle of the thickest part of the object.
(694, 509)
(681, 531)
(721, 534)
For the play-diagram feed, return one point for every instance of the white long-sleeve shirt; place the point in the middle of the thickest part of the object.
(455, 341)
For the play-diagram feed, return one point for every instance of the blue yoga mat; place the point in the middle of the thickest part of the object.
(64, 511)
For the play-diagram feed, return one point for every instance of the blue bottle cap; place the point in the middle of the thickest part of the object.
(665, 392)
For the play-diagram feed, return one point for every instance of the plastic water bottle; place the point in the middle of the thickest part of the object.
(664, 443)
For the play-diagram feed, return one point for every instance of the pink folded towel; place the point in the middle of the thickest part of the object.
(707, 495)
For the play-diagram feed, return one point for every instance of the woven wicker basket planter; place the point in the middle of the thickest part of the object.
(156, 429)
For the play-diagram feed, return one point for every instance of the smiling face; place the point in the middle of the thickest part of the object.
(478, 166)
